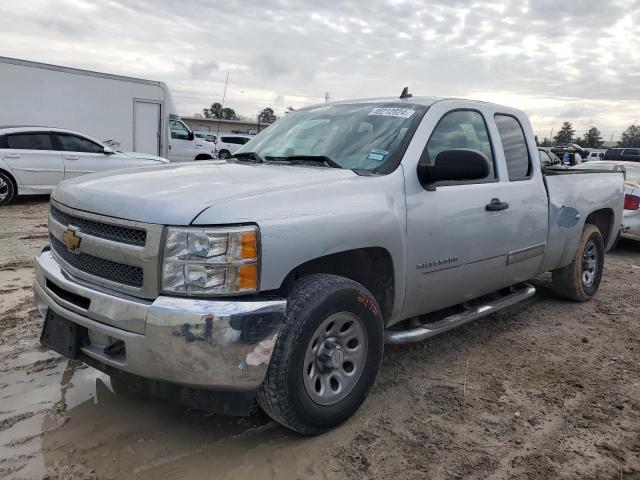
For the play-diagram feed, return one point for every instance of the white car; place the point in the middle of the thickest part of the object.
(228, 144)
(206, 136)
(33, 160)
(630, 227)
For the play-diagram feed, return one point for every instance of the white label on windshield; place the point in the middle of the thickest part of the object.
(392, 112)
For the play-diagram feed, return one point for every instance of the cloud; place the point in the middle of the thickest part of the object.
(575, 61)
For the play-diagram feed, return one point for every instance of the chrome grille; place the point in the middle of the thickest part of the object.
(115, 233)
(99, 267)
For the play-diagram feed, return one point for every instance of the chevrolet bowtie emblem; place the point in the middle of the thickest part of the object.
(70, 239)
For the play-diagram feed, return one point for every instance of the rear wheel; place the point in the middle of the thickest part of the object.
(224, 154)
(7, 189)
(327, 355)
(580, 280)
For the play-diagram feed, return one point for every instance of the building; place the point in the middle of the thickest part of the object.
(226, 126)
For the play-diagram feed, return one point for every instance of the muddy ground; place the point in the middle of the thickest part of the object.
(548, 389)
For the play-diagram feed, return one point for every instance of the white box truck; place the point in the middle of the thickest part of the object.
(132, 114)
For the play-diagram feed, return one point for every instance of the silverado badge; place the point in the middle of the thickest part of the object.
(70, 239)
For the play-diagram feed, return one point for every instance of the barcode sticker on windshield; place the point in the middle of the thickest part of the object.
(392, 112)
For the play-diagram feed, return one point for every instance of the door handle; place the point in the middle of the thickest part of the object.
(12, 155)
(71, 157)
(496, 205)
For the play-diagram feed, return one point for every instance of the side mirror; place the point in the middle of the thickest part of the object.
(108, 151)
(191, 136)
(454, 165)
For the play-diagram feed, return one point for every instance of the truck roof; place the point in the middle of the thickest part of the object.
(426, 101)
(78, 71)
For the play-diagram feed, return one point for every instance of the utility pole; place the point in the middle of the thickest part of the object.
(224, 95)
(327, 97)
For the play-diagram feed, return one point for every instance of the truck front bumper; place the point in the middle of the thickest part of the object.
(213, 344)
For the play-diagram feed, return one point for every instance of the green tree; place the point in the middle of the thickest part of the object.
(565, 134)
(579, 141)
(267, 115)
(630, 137)
(546, 142)
(215, 111)
(593, 138)
(229, 114)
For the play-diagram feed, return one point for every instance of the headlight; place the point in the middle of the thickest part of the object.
(210, 261)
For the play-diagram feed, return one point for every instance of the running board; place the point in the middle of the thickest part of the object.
(518, 294)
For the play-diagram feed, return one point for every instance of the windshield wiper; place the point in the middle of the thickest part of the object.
(250, 155)
(309, 158)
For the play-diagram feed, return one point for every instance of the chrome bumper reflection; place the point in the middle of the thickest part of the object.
(204, 343)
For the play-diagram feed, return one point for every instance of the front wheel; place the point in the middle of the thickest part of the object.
(224, 154)
(579, 281)
(327, 355)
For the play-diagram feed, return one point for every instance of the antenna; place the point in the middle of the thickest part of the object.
(405, 93)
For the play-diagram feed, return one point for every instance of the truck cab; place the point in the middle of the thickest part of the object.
(184, 146)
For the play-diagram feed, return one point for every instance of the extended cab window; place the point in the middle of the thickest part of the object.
(73, 143)
(461, 129)
(514, 146)
(178, 130)
(30, 141)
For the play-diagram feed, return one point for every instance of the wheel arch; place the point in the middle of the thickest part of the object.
(603, 219)
(370, 266)
(203, 156)
(11, 177)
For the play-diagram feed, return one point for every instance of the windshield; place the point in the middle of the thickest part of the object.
(357, 136)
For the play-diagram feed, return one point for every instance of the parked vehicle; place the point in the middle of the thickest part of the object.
(209, 137)
(33, 160)
(631, 215)
(227, 145)
(560, 148)
(623, 154)
(594, 156)
(137, 114)
(548, 158)
(279, 274)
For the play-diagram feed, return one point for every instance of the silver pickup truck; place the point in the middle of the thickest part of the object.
(278, 275)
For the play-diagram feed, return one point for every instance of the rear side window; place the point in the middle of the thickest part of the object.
(461, 129)
(72, 143)
(514, 146)
(30, 141)
(631, 151)
(234, 140)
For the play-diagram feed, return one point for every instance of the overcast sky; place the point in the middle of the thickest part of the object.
(557, 60)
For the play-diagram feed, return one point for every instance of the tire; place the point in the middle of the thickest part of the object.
(579, 281)
(306, 354)
(224, 154)
(203, 157)
(7, 189)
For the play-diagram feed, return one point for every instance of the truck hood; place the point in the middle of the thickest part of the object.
(174, 194)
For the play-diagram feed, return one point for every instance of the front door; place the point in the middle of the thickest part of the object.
(82, 156)
(181, 146)
(34, 160)
(461, 235)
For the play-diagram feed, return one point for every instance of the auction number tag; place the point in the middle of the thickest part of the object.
(393, 112)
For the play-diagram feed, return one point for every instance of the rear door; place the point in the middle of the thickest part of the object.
(146, 127)
(82, 155)
(631, 154)
(34, 160)
(467, 239)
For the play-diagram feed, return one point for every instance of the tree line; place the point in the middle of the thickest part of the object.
(217, 111)
(592, 137)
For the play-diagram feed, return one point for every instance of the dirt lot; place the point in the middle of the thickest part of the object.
(549, 389)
